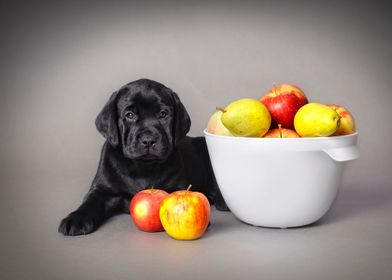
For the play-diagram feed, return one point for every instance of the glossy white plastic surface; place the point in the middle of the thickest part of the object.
(280, 182)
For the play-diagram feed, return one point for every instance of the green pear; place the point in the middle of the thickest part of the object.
(316, 120)
(247, 118)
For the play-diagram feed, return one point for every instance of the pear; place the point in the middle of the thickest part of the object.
(246, 117)
(316, 120)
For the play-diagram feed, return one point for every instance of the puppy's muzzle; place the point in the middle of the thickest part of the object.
(147, 141)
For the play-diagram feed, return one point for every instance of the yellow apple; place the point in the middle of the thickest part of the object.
(215, 125)
(347, 123)
(185, 214)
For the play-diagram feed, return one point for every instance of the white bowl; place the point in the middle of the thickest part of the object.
(280, 182)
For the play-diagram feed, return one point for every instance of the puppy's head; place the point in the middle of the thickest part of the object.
(146, 119)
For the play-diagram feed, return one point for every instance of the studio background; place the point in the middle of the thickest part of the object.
(61, 60)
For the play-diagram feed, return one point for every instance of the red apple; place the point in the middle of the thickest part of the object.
(185, 214)
(281, 133)
(283, 101)
(144, 209)
(347, 123)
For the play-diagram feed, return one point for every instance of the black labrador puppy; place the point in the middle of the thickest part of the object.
(144, 124)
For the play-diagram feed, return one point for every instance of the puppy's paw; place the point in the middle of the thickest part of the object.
(221, 205)
(76, 224)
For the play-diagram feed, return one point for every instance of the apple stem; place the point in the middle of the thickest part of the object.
(274, 89)
(221, 109)
(280, 131)
(190, 186)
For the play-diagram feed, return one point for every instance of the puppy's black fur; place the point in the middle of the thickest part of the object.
(144, 124)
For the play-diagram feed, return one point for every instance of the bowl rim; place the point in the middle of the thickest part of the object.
(339, 148)
(299, 139)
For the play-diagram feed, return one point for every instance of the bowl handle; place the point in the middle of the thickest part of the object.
(343, 153)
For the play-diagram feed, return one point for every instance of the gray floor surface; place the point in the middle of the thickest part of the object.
(352, 241)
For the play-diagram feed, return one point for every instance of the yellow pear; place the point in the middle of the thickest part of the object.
(246, 117)
(316, 120)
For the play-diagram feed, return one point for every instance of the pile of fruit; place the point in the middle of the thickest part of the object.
(184, 214)
(283, 112)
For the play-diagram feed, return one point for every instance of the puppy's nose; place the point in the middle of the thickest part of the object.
(147, 140)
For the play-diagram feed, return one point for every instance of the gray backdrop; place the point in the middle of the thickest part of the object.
(61, 60)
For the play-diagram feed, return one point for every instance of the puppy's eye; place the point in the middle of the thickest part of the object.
(130, 115)
(162, 114)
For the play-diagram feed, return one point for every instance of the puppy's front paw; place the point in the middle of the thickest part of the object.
(222, 207)
(76, 224)
(220, 203)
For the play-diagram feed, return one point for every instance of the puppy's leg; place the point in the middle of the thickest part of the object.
(93, 212)
(220, 203)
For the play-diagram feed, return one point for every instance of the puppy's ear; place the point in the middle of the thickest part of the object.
(182, 121)
(106, 121)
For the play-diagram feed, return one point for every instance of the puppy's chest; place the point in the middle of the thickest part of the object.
(164, 179)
